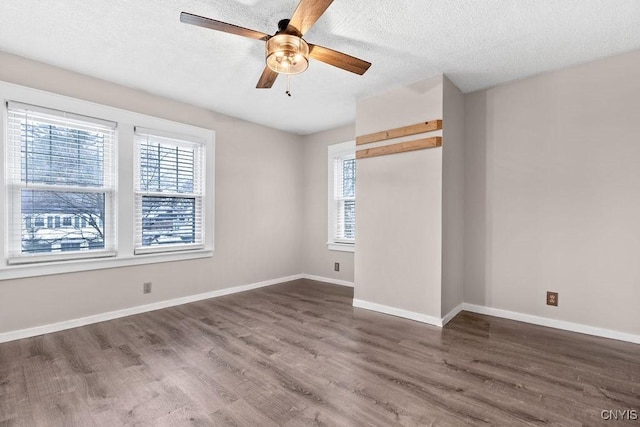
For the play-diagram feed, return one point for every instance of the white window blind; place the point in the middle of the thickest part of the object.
(61, 185)
(169, 192)
(342, 196)
(345, 198)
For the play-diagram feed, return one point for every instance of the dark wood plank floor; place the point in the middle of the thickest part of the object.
(299, 354)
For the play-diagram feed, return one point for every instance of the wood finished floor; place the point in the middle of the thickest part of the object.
(299, 354)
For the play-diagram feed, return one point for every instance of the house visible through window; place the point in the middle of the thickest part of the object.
(61, 168)
(342, 196)
(169, 192)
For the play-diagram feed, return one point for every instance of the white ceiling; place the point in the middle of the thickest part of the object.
(478, 44)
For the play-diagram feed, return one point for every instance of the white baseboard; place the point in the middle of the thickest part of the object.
(552, 323)
(418, 317)
(74, 323)
(450, 315)
(327, 280)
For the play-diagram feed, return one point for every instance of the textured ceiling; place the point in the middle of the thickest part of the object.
(478, 44)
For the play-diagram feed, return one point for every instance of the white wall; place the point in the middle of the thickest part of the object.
(552, 194)
(399, 206)
(257, 222)
(318, 260)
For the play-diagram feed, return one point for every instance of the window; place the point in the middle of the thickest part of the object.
(60, 166)
(342, 196)
(73, 195)
(169, 192)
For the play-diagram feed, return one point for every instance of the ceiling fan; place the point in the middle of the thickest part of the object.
(286, 51)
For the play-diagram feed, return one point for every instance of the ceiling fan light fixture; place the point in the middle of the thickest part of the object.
(287, 54)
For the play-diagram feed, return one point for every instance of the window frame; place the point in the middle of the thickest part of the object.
(337, 151)
(14, 188)
(125, 151)
(200, 168)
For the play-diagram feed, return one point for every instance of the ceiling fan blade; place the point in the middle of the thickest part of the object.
(201, 21)
(307, 13)
(267, 78)
(338, 59)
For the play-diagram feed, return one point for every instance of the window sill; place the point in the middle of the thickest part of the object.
(342, 247)
(70, 266)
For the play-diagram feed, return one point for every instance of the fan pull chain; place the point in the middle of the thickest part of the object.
(288, 92)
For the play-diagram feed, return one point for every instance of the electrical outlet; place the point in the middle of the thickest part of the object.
(336, 266)
(146, 288)
(552, 298)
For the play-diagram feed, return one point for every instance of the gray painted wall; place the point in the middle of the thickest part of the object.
(552, 194)
(317, 259)
(452, 197)
(551, 184)
(257, 223)
(399, 206)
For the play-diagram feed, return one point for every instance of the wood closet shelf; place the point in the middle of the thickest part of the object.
(401, 147)
(429, 126)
